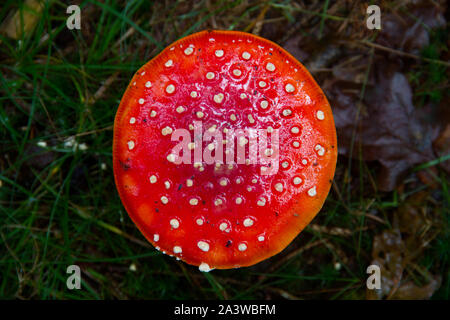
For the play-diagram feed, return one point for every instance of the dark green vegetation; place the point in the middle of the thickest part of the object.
(59, 91)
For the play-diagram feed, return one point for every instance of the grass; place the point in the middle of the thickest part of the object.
(59, 91)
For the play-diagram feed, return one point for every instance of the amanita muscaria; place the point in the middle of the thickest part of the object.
(211, 93)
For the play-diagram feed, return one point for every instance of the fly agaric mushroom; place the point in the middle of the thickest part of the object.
(223, 214)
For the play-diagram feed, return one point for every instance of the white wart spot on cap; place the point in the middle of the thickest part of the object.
(320, 150)
(148, 84)
(286, 112)
(246, 55)
(200, 114)
(153, 179)
(131, 144)
(295, 130)
(174, 223)
(156, 237)
(289, 88)
(270, 66)
(188, 51)
(204, 246)
(189, 182)
(218, 98)
(177, 249)
(204, 267)
(132, 120)
(243, 96)
(171, 157)
(261, 238)
(297, 181)
(210, 75)
(223, 226)
(242, 247)
(262, 84)
(219, 53)
(199, 221)
(279, 187)
(164, 200)
(153, 114)
(248, 222)
(320, 115)
(194, 94)
(169, 63)
(264, 104)
(193, 201)
(261, 202)
(166, 130)
(237, 72)
(239, 200)
(180, 109)
(170, 88)
(312, 192)
(141, 101)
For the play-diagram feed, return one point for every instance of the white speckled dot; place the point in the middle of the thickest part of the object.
(242, 247)
(218, 98)
(199, 221)
(261, 202)
(164, 200)
(312, 192)
(261, 238)
(132, 120)
(219, 53)
(248, 222)
(148, 84)
(188, 51)
(153, 179)
(320, 115)
(270, 66)
(141, 101)
(279, 187)
(156, 237)
(295, 130)
(287, 112)
(170, 88)
(204, 246)
(193, 201)
(200, 114)
(289, 88)
(169, 63)
(177, 249)
(171, 157)
(204, 267)
(210, 75)
(246, 55)
(223, 226)
(194, 94)
(131, 145)
(262, 84)
(237, 72)
(174, 223)
(297, 181)
(264, 104)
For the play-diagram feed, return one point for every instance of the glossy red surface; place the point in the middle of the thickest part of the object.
(278, 208)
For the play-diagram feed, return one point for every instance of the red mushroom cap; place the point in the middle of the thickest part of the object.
(197, 94)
